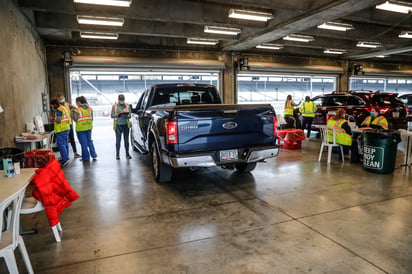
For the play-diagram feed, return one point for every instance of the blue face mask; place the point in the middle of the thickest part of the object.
(61, 101)
(372, 114)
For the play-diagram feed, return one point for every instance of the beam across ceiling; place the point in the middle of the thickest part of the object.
(379, 52)
(328, 12)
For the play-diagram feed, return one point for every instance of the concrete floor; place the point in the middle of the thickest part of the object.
(290, 215)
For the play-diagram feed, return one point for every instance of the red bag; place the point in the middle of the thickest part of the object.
(38, 158)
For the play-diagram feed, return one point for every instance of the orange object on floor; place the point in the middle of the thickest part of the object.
(290, 138)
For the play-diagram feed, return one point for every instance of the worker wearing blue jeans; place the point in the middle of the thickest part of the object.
(121, 113)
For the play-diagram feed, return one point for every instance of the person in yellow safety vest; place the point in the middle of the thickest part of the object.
(121, 113)
(61, 130)
(288, 112)
(376, 120)
(343, 131)
(83, 116)
(60, 98)
(308, 110)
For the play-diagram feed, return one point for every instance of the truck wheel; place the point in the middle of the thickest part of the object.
(245, 167)
(161, 171)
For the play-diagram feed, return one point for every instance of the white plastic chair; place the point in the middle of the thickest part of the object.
(49, 140)
(31, 205)
(10, 238)
(325, 142)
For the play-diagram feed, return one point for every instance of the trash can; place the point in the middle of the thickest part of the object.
(379, 150)
(16, 154)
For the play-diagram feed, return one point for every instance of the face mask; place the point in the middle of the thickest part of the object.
(372, 114)
(121, 102)
(61, 101)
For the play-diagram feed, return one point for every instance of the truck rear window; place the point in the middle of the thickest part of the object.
(182, 95)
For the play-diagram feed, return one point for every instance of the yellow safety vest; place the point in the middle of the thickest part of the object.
(126, 109)
(380, 121)
(288, 108)
(85, 121)
(67, 106)
(342, 138)
(64, 124)
(308, 109)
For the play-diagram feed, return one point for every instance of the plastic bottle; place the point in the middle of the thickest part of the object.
(10, 170)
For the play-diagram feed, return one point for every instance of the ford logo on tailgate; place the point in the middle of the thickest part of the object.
(229, 125)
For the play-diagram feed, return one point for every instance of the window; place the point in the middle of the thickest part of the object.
(355, 101)
(319, 101)
(335, 101)
(396, 85)
(185, 95)
(387, 100)
(273, 89)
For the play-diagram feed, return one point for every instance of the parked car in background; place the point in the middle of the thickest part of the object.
(407, 100)
(358, 105)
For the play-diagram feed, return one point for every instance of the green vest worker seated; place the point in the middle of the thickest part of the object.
(343, 131)
(376, 120)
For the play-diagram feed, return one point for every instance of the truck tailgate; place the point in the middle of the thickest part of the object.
(218, 127)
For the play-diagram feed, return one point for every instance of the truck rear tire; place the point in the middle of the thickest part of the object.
(245, 167)
(161, 171)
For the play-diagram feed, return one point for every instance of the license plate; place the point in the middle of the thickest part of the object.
(228, 155)
(395, 114)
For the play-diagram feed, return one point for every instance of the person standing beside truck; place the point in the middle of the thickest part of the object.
(83, 116)
(121, 113)
(288, 112)
(308, 110)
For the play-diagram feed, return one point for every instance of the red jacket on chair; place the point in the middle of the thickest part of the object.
(53, 190)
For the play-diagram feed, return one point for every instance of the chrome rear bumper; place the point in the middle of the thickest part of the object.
(209, 159)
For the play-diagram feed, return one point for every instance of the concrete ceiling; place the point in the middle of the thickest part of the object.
(165, 24)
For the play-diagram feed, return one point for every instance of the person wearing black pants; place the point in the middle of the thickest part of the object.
(308, 110)
(73, 142)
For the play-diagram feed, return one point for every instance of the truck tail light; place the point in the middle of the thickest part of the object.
(171, 133)
(275, 124)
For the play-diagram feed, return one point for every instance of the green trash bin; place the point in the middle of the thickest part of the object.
(379, 150)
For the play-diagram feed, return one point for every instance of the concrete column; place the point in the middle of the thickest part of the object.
(229, 80)
(344, 78)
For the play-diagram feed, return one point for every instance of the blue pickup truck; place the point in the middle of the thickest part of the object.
(186, 125)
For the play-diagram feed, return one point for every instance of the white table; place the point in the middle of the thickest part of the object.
(40, 138)
(12, 185)
(407, 137)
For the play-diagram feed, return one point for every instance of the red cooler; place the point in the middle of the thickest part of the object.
(290, 138)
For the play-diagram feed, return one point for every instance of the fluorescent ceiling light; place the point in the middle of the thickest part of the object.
(222, 30)
(299, 38)
(105, 21)
(118, 3)
(202, 41)
(405, 34)
(395, 6)
(380, 56)
(250, 15)
(334, 51)
(372, 45)
(99, 35)
(269, 46)
(336, 26)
